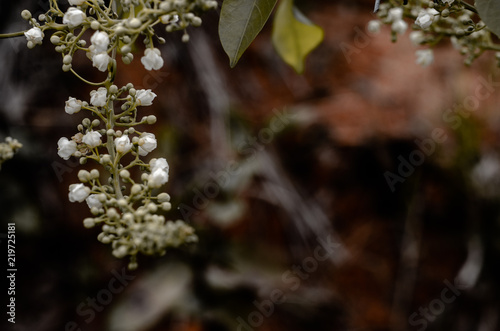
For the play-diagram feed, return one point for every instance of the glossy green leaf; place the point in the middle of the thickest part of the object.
(240, 22)
(489, 11)
(294, 36)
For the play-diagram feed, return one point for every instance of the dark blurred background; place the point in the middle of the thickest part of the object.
(283, 177)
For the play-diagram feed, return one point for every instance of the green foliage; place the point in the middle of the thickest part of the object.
(489, 11)
(240, 22)
(294, 35)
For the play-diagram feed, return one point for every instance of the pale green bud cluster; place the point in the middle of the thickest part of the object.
(433, 22)
(8, 149)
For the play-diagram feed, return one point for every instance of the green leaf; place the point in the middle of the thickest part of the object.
(240, 22)
(294, 36)
(489, 11)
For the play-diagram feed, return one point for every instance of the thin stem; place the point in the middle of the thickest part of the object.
(469, 7)
(86, 81)
(12, 34)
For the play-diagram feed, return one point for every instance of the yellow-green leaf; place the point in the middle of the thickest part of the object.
(240, 22)
(294, 36)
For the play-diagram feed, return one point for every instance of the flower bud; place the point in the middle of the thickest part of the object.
(166, 206)
(122, 203)
(111, 213)
(94, 174)
(126, 49)
(151, 119)
(83, 176)
(55, 39)
(26, 14)
(136, 188)
(105, 159)
(134, 23)
(163, 197)
(95, 25)
(125, 174)
(88, 223)
(128, 58)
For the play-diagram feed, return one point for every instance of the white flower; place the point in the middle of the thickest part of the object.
(424, 57)
(159, 172)
(76, 2)
(147, 143)
(448, 1)
(78, 192)
(72, 106)
(93, 201)
(145, 97)
(417, 37)
(395, 14)
(35, 35)
(98, 98)
(157, 178)
(65, 148)
(101, 61)
(73, 17)
(152, 59)
(92, 139)
(100, 41)
(374, 26)
(123, 144)
(399, 27)
(426, 17)
(160, 163)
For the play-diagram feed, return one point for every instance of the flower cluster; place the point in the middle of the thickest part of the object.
(112, 33)
(432, 21)
(123, 195)
(126, 209)
(8, 149)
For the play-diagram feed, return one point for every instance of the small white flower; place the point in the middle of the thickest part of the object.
(395, 14)
(157, 178)
(123, 144)
(78, 192)
(98, 98)
(160, 163)
(100, 41)
(93, 201)
(145, 97)
(417, 37)
(152, 59)
(35, 35)
(147, 143)
(448, 1)
(425, 57)
(399, 27)
(92, 139)
(76, 2)
(73, 17)
(374, 26)
(65, 148)
(426, 17)
(72, 106)
(101, 61)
